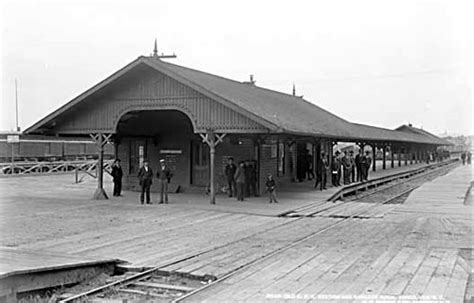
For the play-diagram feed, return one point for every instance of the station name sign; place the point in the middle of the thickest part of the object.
(13, 138)
(171, 151)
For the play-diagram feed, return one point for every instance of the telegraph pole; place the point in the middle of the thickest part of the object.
(16, 105)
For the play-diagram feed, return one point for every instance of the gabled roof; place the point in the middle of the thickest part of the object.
(280, 112)
(420, 131)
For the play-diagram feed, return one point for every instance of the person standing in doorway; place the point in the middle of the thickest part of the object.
(321, 171)
(463, 158)
(240, 181)
(229, 172)
(164, 177)
(271, 188)
(117, 174)
(145, 176)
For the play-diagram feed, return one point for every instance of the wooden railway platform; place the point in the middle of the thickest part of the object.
(395, 254)
(23, 270)
(421, 251)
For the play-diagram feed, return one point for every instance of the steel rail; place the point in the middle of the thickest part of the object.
(141, 275)
(423, 174)
(385, 179)
(277, 251)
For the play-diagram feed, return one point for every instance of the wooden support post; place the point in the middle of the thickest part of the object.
(384, 157)
(330, 151)
(100, 140)
(76, 171)
(405, 153)
(399, 156)
(374, 154)
(212, 140)
(391, 157)
(411, 155)
(12, 171)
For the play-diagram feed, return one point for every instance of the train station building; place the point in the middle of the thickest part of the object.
(151, 109)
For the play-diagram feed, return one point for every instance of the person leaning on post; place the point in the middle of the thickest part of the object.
(164, 177)
(145, 176)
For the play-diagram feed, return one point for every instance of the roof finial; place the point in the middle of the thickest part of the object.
(294, 90)
(157, 56)
(155, 50)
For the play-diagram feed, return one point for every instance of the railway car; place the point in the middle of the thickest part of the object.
(32, 148)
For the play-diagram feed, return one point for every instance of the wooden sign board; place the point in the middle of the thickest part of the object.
(13, 138)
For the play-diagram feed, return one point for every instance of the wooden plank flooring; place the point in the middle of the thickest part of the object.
(405, 253)
(410, 249)
(20, 261)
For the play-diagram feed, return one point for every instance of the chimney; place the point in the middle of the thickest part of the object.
(252, 81)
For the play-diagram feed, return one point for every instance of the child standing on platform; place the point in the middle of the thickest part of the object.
(271, 185)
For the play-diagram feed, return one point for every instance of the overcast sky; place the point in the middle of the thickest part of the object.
(383, 63)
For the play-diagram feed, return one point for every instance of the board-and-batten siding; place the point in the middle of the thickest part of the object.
(151, 90)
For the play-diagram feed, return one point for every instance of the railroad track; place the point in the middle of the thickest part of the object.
(155, 284)
(400, 187)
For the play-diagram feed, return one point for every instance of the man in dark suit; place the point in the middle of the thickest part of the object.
(353, 164)
(368, 163)
(145, 176)
(335, 166)
(164, 177)
(321, 171)
(346, 165)
(358, 164)
(239, 178)
(229, 172)
(117, 174)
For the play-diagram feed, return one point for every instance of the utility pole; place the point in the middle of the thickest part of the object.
(16, 106)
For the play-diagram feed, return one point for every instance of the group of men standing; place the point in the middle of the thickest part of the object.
(346, 167)
(241, 179)
(145, 177)
(466, 157)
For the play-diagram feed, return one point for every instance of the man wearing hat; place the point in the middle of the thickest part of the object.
(164, 176)
(145, 176)
(117, 174)
(368, 162)
(353, 166)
